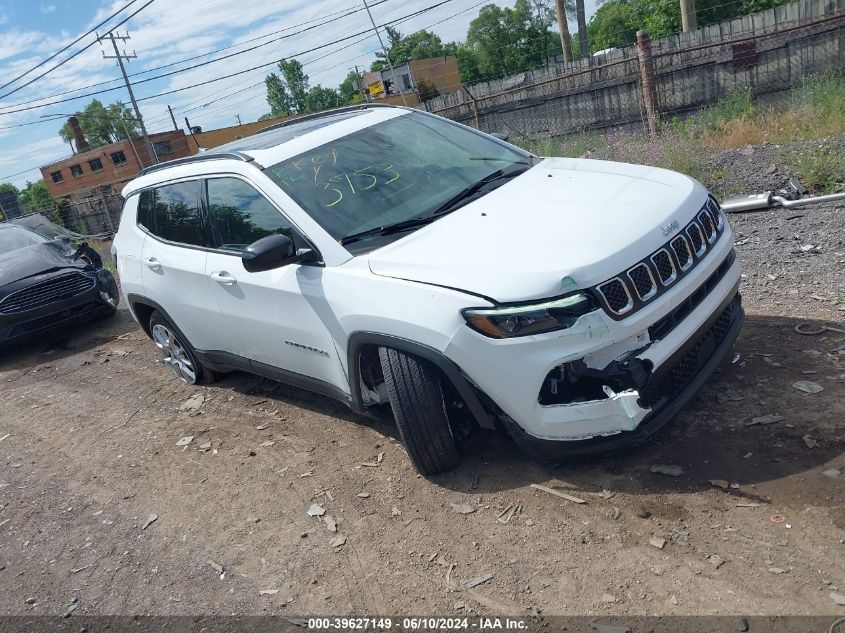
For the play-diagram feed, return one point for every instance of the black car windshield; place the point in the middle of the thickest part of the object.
(14, 237)
(404, 168)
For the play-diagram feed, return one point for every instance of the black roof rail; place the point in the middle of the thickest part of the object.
(324, 113)
(196, 158)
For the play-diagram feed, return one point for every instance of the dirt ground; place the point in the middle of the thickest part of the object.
(90, 451)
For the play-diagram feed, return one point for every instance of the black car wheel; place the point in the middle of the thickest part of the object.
(416, 397)
(176, 353)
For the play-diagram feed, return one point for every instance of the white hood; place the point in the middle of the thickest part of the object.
(563, 221)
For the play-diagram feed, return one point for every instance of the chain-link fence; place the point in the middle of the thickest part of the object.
(88, 217)
(765, 53)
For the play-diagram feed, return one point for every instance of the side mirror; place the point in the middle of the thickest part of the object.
(500, 136)
(273, 251)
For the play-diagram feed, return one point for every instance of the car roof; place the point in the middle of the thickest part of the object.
(277, 142)
(275, 135)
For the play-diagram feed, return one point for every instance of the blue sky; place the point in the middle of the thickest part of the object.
(169, 31)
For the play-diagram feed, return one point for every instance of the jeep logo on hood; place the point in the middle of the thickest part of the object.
(670, 228)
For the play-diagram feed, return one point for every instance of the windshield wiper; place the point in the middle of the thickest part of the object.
(387, 229)
(467, 194)
(450, 205)
(528, 160)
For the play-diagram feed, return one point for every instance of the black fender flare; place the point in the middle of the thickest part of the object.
(448, 367)
(134, 299)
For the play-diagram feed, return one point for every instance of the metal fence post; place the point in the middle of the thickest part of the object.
(647, 75)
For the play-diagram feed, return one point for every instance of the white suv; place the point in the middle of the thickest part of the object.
(383, 254)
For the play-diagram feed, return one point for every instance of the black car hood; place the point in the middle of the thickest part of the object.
(36, 259)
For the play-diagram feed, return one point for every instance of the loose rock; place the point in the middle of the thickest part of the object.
(474, 582)
(462, 508)
(316, 510)
(656, 541)
(808, 387)
(193, 403)
(716, 560)
(150, 520)
(668, 470)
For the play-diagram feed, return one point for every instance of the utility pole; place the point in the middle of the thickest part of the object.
(361, 86)
(173, 118)
(386, 56)
(689, 21)
(120, 57)
(238, 117)
(563, 27)
(583, 42)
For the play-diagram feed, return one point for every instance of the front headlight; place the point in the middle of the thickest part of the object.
(530, 318)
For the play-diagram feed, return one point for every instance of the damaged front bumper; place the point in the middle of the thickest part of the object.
(603, 383)
(665, 392)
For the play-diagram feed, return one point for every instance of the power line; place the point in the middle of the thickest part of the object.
(56, 54)
(229, 76)
(76, 54)
(182, 61)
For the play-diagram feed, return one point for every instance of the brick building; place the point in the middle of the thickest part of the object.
(103, 171)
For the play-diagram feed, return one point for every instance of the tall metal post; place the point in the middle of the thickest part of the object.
(173, 118)
(386, 55)
(647, 76)
(689, 21)
(361, 87)
(117, 55)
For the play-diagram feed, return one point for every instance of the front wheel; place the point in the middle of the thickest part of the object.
(416, 397)
(177, 353)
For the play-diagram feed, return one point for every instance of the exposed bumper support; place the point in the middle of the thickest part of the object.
(707, 347)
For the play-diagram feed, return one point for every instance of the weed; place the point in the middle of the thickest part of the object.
(821, 167)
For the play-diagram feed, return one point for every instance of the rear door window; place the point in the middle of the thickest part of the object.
(239, 215)
(172, 213)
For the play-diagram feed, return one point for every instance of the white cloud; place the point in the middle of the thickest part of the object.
(168, 31)
(47, 8)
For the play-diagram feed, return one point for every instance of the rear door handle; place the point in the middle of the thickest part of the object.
(152, 263)
(223, 278)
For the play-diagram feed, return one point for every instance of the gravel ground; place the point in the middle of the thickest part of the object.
(754, 524)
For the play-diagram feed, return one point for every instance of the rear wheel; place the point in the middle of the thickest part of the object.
(416, 397)
(177, 353)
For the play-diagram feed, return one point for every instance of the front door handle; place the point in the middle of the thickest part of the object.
(223, 278)
(152, 263)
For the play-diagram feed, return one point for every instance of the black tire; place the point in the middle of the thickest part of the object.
(416, 398)
(183, 360)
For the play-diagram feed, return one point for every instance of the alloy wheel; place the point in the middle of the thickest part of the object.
(174, 353)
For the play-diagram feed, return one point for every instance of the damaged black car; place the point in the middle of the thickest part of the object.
(47, 284)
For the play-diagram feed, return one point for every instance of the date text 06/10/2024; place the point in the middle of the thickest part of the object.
(415, 623)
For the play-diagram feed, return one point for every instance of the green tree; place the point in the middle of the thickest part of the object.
(7, 186)
(278, 97)
(507, 40)
(35, 197)
(320, 98)
(103, 125)
(349, 94)
(288, 93)
(404, 48)
(616, 22)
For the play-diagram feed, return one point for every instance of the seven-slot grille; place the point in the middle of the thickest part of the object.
(45, 292)
(627, 292)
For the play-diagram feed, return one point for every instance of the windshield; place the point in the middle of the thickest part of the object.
(390, 172)
(14, 237)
